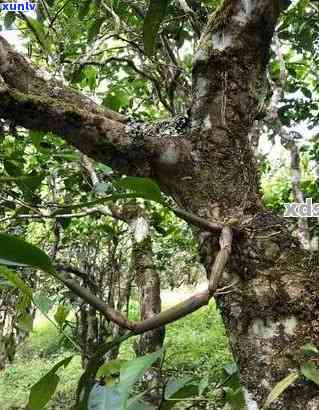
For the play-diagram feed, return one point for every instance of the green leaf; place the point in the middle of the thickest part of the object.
(110, 370)
(280, 388)
(42, 391)
(230, 368)
(310, 348)
(15, 251)
(43, 302)
(83, 390)
(84, 8)
(25, 183)
(307, 93)
(39, 141)
(16, 281)
(104, 398)
(116, 98)
(143, 187)
(25, 322)
(40, 13)
(95, 28)
(203, 384)
(12, 169)
(153, 19)
(9, 19)
(235, 398)
(102, 187)
(133, 370)
(310, 371)
(174, 385)
(64, 362)
(187, 391)
(61, 314)
(37, 29)
(234, 394)
(89, 74)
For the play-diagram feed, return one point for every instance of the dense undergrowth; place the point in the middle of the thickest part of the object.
(196, 346)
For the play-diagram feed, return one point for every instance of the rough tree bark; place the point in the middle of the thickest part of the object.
(148, 281)
(8, 316)
(274, 309)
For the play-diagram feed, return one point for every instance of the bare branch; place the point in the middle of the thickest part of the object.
(65, 267)
(167, 316)
(94, 301)
(197, 220)
(221, 259)
(32, 101)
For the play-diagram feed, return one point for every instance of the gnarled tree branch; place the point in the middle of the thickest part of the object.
(167, 316)
(36, 103)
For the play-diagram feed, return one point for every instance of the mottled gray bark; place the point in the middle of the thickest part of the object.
(148, 281)
(8, 317)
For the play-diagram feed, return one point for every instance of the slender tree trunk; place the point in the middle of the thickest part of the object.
(288, 141)
(147, 277)
(148, 282)
(11, 335)
(298, 197)
(121, 297)
(8, 342)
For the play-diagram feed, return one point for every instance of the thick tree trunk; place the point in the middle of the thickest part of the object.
(274, 309)
(269, 317)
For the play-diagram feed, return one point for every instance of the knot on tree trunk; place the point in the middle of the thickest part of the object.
(261, 241)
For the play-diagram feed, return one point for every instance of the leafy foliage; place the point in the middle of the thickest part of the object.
(15, 251)
(310, 371)
(38, 355)
(116, 397)
(152, 21)
(43, 390)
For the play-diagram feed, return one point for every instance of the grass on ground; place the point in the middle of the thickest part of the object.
(195, 345)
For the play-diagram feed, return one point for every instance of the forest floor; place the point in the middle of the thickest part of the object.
(196, 346)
